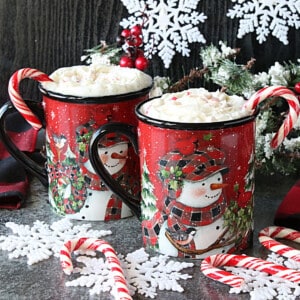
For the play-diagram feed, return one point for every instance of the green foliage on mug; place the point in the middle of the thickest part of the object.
(173, 177)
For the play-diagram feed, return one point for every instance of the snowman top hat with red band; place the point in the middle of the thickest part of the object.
(176, 167)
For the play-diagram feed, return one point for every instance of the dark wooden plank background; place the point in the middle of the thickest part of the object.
(48, 34)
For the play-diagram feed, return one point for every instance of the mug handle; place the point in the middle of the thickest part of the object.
(22, 107)
(28, 163)
(16, 98)
(131, 201)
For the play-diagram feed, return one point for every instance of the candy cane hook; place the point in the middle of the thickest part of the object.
(16, 98)
(293, 114)
(107, 250)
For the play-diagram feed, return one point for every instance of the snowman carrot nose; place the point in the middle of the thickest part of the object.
(118, 156)
(217, 186)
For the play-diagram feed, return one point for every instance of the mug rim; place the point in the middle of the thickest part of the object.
(188, 125)
(94, 100)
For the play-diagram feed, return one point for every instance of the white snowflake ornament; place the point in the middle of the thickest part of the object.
(171, 25)
(266, 17)
(144, 274)
(41, 241)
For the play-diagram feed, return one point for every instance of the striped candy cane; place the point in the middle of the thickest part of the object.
(16, 98)
(107, 250)
(294, 109)
(209, 268)
(267, 234)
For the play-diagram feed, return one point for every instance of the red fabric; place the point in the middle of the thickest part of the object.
(14, 182)
(288, 213)
(12, 195)
(25, 141)
(291, 202)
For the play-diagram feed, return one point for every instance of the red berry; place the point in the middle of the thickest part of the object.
(126, 33)
(137, 41)
(134, 42)
(297, 87)
(141, 63)
(136, 30)
(126, 62)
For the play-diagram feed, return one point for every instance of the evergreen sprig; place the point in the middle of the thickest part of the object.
(110, 52)
(232, 77)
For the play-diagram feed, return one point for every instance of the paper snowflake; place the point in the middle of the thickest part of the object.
(266, 17)
(41, 241)
(262, 286)
(169, 28)
(145, 275)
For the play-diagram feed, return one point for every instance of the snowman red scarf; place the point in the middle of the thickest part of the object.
(179, 216)
(114, 206)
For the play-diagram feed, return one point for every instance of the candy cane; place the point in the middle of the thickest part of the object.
(110, 254)
(267, 234)
(209, 268)
(290, 120)
(16, 98)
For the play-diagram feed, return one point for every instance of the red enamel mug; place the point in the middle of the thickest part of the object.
(197, 181)
(75, 190)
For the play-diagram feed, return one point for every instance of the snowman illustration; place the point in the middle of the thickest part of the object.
(100, 202)
(193, 225)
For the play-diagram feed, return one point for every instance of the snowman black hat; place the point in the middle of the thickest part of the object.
(176, 166)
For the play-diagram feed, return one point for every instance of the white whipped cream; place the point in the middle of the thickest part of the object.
(196, 106)
(97, 80)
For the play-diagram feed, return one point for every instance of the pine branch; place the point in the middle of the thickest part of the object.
(239, 75)
(182, 83)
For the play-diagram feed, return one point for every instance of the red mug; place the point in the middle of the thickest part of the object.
(197, 183)
(74, 188)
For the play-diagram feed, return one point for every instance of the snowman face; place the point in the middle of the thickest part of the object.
(201, 193)
(114, 157)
